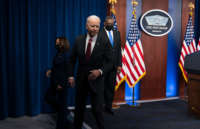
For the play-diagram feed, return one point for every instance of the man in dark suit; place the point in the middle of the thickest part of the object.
(92, 52)
(110, 77)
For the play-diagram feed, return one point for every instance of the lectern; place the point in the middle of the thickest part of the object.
(192, 66)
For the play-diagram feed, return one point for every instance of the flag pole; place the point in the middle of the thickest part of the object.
(191, 7)
(132, 91)
(137, 86)
(134, 3)
(112, 9)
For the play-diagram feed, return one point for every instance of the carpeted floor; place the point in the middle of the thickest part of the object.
(171, 114)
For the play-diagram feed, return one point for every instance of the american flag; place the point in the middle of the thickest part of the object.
(133, 54)
(120, 76)
(115, 21)
(188, 46)
(198, 45)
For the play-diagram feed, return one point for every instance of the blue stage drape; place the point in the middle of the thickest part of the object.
(28, 29)
(173, 49)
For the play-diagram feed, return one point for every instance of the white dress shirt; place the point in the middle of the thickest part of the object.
(108, 34)
(92, 43)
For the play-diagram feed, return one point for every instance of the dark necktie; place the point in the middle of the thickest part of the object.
(88, 50)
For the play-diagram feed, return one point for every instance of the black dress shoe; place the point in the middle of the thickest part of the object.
(109, 111)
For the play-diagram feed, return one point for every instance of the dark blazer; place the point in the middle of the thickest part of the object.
(60, 70)
(116, 49)
(59, 76)
(100, 57)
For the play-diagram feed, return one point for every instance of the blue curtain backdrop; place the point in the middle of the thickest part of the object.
(27, 35)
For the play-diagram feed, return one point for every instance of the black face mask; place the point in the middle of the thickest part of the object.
(57, 47)
(109, 27)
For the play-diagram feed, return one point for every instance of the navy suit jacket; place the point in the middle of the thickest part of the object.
(100, 59)
(115, 49)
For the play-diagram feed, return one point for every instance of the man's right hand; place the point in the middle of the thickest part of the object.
(71, 81)
(48, 73)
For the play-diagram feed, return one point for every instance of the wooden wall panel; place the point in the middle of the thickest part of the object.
(153, 85)
(120, 8)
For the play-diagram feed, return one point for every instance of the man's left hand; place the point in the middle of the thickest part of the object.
(94, 74)
(59, 88)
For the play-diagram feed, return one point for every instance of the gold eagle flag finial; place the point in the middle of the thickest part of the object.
(134, 3)
(112, 9)
(191, 7)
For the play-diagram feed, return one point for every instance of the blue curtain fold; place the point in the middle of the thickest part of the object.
(28, 29)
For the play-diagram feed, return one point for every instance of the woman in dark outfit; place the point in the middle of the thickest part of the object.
(57, 93)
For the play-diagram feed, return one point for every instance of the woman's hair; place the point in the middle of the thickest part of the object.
(65, 42)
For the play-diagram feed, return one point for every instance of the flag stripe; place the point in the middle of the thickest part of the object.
(198, 46)
(130, 71)
(129, 63)
(136, 58)
(139, 57)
